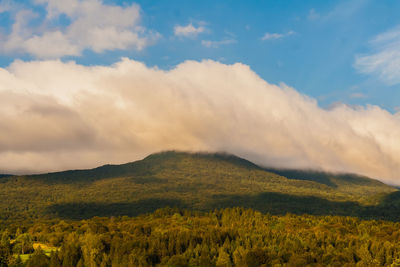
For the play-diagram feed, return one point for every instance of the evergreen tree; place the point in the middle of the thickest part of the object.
(223, 259)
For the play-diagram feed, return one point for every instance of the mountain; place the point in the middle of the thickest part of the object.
(198, 181)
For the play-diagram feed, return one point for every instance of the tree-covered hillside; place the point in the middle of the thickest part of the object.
(198, 181)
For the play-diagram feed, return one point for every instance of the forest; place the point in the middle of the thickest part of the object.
(227, 237)
(197, 209)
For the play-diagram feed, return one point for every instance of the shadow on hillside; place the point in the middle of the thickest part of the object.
(86, 210)
(323, 177)
(388, 209)
(319, 177)
(268, 202)
(280, 204)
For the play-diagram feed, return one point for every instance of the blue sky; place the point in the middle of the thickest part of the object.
(89, 82)
(312, 45)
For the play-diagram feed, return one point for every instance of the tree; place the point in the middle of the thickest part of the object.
(177, 261)
(16, 262)
(54, 260)
(223, 259)
(38, 259)
(4, 256)
(23, 244)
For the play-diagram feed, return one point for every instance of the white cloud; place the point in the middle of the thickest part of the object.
(384, 61)
(188, 30)
(274, 36)
(93, 26)
(216, 44)
(358, 95)
(56, 115)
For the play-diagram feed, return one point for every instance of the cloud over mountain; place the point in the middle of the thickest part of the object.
(56, 115)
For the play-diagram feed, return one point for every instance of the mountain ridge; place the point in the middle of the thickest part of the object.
(297, 174)
(197, 181)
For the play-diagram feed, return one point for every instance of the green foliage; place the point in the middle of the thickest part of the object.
(16, 262)
(201, 182)
(38, 259)
(228, 237)
(4, 254)
(23, 244)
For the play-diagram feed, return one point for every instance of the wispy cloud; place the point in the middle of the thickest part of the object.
(342, 11)
(189, 30)
(274, 36)
(358, 95)
(384, 59)
(216, 44)
(93, 26)
(5, 6)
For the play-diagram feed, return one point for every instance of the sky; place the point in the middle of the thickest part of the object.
(293, 84)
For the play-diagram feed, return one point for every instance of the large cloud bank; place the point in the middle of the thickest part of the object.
(56, 115)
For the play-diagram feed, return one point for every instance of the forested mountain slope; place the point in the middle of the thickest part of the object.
(197, 181)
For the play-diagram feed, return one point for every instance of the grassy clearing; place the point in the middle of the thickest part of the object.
(45, 248)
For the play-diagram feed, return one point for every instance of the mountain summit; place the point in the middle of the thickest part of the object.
(199, 181)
